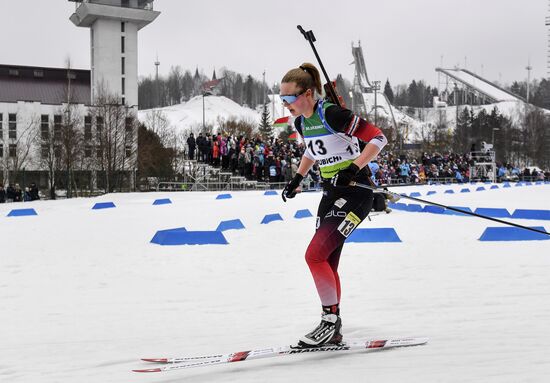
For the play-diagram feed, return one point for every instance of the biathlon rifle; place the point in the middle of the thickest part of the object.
(330, 86)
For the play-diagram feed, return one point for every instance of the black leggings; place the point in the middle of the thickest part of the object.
(340, 211)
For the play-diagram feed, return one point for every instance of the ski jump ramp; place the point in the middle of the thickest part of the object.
(491, 91)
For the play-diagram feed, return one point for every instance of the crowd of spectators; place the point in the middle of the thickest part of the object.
(273, 161)
(449, 167)
(14, 193)
(276, 161)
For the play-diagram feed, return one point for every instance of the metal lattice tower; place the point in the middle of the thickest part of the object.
(528, 68)
(362, 84)
(157, 64)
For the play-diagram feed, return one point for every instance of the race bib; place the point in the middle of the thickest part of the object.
(349, 224)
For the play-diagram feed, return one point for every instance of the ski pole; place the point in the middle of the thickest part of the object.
(309, 36)
(394, 195)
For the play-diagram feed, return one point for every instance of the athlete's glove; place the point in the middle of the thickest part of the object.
(290, 189)
(345, 176)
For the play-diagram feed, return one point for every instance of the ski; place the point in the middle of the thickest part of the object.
(172, 364)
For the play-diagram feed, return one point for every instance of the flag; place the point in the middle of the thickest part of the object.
(281, 122)
(293, 136)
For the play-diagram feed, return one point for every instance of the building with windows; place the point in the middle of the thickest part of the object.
(32, 105)
(69, 128)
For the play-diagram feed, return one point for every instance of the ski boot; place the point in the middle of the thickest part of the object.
(328, 332)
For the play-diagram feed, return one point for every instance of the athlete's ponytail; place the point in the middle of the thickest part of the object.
(306, 76)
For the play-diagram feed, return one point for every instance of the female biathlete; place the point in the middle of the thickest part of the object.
(331, 135)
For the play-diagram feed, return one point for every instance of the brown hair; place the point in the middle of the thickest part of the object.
(306, 76)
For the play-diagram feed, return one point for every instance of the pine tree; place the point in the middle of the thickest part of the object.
(265, 128)
(516, 88)
(413, 95)
(462, 133)
(248, 92)
(542, 94)
(187, 85)
(388, 91)
(238, 90)
(174, 82)
(400, 98)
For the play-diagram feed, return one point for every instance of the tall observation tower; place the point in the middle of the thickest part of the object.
(114, 26)
(547, 23)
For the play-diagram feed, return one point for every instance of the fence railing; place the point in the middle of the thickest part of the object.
(306, 186)
(212, 186)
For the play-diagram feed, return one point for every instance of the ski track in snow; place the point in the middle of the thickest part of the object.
(85, 295)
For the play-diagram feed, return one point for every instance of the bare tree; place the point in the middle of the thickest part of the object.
(70, 135)
(116, 139)
(158, 123)
(49, 152)
(174, 83)
(70, 139)
(236, 128)
(19, 150)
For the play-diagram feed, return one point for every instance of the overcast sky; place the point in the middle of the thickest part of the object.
(401, 39)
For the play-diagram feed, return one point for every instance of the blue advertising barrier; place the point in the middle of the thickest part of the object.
(270, 192)
(415, 194)
(431, 192)
(224, 196)
(163, 236)
(513, 234)
(21, 212)
(464, 208)
(531, 214)
(414, 207)
(374, 235)
(162, 201)
(493, 212)
(305, 213)
(176, 237)
(398, 205)
(271, 217)
(103, 205)
(449, 191)
(433, 209)
(465, 190)
(480, 188)
(233, 224)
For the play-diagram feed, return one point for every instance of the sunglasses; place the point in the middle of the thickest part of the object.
(291, 98)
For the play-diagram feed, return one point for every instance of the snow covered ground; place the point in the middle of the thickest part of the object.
(187, 117)
(84, 294)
